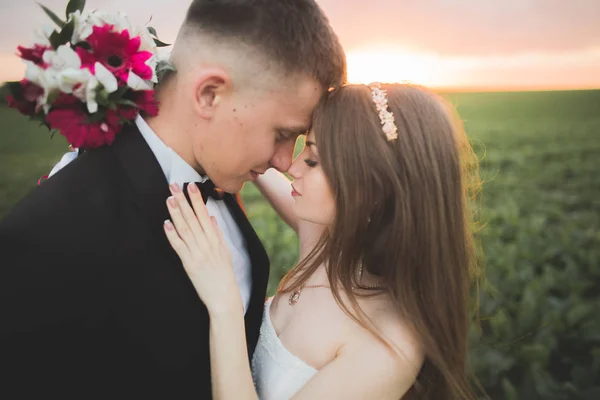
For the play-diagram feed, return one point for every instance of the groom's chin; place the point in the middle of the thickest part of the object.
(231, 186)
(236, 189)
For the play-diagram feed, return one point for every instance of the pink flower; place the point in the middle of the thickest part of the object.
(34, 54)
(27, 105)
(117, 52)
(68, 116)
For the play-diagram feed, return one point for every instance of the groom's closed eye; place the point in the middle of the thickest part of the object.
(291, 133)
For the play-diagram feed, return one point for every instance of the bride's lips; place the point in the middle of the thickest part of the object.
(295, 193)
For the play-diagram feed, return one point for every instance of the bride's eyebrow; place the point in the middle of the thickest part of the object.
(312, 146)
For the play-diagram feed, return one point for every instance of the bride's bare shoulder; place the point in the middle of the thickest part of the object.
(387, 321)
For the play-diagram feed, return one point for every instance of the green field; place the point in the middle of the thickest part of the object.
(539, 333)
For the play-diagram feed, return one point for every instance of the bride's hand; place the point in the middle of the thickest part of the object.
(200, 245)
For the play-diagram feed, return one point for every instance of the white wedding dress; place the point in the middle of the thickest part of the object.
(277, 373)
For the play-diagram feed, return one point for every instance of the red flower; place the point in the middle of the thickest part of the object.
(128, 113)
(145, 101)
(117, 52)
(34, 54)
(69, 115)
(27, 104)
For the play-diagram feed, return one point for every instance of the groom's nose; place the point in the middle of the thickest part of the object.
(282, 158)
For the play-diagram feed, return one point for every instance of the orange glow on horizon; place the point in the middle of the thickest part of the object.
(525, 71)
(367, 66)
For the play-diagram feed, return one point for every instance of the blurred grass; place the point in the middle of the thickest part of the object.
(26, 154)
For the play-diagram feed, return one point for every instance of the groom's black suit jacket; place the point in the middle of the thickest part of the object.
(94, 303)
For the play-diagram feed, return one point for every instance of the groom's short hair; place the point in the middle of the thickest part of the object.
(293, 37)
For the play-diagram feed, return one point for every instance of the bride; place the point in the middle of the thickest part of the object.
(378, 306)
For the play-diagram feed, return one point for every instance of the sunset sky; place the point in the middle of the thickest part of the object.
(467, 44)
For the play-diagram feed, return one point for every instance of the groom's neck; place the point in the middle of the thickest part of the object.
(175, 136)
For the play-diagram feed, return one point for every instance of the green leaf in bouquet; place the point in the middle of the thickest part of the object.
(152, 31)
(53, 16)
(83, 45)
(55, 40)
(126, 102)
(160, 44)
(15, 89)
(163, 68)
(102, 97)
(67, 32)
(116, 95)
(52, 96)
(98, 116)
(165, 65)
(75, 5)
(58, 39)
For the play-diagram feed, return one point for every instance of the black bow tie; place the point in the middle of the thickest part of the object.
(207, 189)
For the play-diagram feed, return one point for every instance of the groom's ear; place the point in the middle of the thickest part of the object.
(210, 88)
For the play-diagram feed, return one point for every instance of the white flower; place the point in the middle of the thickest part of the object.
(153, 64)
(46, 79)
(147, 43)
(137, 83)
(71, 79)
(90, 95)
(82, 28)
(64, 57)
(85, 22)
(106, 78)
(120, 20)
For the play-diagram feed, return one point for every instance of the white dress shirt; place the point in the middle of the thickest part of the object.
(178, 171)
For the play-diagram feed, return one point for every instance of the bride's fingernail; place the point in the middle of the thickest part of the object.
(172, 202)
(174, 188)
(168, 225)
(193, 188)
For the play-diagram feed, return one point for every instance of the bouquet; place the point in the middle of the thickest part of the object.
(90, 76)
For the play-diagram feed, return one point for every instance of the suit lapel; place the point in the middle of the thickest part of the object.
(146, 178)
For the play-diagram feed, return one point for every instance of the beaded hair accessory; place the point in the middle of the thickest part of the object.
(379, 97)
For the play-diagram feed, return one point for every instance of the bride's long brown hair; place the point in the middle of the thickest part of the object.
(403, 213)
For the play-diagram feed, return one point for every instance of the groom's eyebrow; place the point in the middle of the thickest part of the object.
(296, 131)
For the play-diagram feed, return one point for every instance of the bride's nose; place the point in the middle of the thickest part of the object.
(296, 168)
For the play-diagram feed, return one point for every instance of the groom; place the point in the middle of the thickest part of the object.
(93, 301)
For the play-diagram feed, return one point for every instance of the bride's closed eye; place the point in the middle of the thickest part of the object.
(310, 163)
